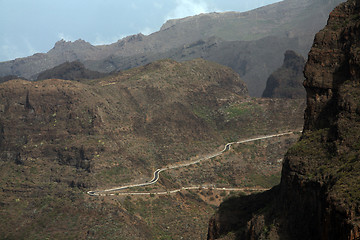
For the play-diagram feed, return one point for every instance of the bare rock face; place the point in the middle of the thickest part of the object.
(70, 71)
(319, 194)
(333, 63)
(287, 81)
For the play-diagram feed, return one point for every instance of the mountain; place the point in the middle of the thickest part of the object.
(61, 138)
(139, 99)
(287, 81)
(241, 56)
(289, 24)
(70, 71)
(319, 193)
(9, 77)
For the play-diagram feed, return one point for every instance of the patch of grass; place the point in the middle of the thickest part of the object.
(117, 174)
(348, 178)
(312, 144)
(129, 206)
(204, 113)
(256, 179)
(241, 110)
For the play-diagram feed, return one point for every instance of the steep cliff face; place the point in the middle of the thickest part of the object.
(319, 194)
(287, 81)
(322, 170)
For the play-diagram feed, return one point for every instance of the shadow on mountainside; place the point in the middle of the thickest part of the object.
(235, 215)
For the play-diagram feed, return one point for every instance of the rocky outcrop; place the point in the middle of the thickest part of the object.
(319, 194)
(75, 157)
(46, 115)
(287, 81)
(70, 71)
(9, 77)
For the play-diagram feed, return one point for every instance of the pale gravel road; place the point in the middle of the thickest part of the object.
(156, 176)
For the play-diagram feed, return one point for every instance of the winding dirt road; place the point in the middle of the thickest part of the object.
(156, 176)
(182, 189)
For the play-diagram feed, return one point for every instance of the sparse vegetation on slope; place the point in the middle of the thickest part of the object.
(72, 137)
(318, 197)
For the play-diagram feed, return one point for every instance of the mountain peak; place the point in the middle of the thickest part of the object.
(63, 43)
(172, 22)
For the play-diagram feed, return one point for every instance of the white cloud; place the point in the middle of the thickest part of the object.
(147, 31)
(186, 8)
(101, 40)
(9, 52)
(65, 37)
(30, 48)
(9, 49)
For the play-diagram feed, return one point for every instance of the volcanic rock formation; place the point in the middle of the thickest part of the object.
(70, 71)
(287, 81)
(319, 194)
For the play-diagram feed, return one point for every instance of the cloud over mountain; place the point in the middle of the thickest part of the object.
(186, 8)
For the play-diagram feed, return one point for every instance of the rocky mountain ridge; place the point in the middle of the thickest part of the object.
(70, 71)
(318, 197)
(292, 23)
(287, 81)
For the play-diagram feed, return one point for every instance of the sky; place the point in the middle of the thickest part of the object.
(33, 26)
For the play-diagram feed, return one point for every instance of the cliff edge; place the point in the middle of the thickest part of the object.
(287, 81)
(319, 193)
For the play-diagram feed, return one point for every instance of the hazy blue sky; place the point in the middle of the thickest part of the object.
(30, 26)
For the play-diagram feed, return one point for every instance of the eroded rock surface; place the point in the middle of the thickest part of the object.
(319, 196)
(287, 81)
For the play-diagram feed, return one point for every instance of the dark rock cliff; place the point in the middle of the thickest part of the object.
(287, 81)
(319, 193)
(9, 77)
(70, 71)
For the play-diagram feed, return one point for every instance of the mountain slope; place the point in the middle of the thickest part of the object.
(293, 21)
(75, 136)
(287, 81)
(71, 137)
(140, 98)
(70, 71)
(242, 56)
(318, 197)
